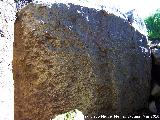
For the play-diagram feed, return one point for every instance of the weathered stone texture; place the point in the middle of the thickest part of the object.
(71, 57)
(155, 49)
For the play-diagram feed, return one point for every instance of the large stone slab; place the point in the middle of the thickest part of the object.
(71, 57)
(155, 49)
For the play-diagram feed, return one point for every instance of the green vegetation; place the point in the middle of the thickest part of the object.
(153, 25)
(70, 115)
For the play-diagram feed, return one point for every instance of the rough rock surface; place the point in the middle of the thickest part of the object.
(71, 57)
(155, 49)
(155, 53)
(154, 105)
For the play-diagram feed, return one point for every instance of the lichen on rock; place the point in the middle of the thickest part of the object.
(71, 57)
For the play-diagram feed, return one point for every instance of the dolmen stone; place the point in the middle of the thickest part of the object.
(70, 57)
(154, 105)
(155, 49)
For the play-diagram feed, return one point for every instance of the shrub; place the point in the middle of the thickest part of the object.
(153, 25)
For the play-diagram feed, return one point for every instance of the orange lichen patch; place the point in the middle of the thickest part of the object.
(45, 78)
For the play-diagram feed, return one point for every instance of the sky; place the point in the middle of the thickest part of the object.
(143, 7)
